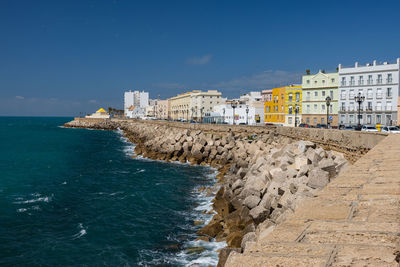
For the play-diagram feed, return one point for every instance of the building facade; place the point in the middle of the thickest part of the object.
(266, 95)
(293, 104)
(379, 84)
(275, 108)
(193, 105)
(162, 109)
(136, 99)
(316, 88)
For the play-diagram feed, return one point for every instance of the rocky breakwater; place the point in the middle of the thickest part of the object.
(262, 177)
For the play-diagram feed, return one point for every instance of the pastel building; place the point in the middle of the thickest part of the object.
(275, 108)
(99, 114)
(316, 88)
(292, 104)
(193, 105)
(136, 99)
(379, 84)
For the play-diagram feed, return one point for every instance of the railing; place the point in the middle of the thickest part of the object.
(343, 83)
(389, 95)
(379, 81)
(343, 97)
(352, 83)
(379, 95)
(389, 80)
(370, 96)
(360, 82)
(369, 82)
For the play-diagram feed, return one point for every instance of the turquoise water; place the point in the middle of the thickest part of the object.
(75, 197)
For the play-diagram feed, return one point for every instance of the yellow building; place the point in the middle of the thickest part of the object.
(100, 114)
(292, 103)
(275, 108)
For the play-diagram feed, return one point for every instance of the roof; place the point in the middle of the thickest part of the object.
(131, 108)
(101, 110)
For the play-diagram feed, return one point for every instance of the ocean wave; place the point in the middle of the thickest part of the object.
(82, 232)
(39, 199)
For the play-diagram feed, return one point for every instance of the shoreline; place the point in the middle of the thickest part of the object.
(260, 179)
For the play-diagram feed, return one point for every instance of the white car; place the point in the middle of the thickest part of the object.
(369, 128)
(390, 129)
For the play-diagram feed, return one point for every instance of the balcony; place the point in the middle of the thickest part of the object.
(378, 96)
(389, 80)
(369, 82)
(343, 83)
(389, 95)
(352, 83)
(361, 82)
(370, 96)
(379, 81)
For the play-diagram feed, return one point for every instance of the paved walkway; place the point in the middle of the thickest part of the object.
(354, 221)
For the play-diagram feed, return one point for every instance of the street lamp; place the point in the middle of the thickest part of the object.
(233, 105)
(296, 110)
(223, 117)
(247, 114)
(201, 115)
(328, 103)
(359, 99)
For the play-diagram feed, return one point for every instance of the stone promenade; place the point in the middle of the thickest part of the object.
(354, 221)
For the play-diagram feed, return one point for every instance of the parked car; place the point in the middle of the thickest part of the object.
(390, 129)
(321, 125)
(369, 128)
(242, 123)
(193, 121)
(347, 128)
(269, 124)
(304, 125)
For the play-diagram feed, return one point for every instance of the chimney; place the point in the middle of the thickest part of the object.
(356, 65)
(398, 60)
(374, 63)
(340, 66)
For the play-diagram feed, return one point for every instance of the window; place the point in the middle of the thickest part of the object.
(308, 96)
(315, 106)
(378, 119)
(351, 96)
(331, 93)
(315, 120)
(290, 109)
(343, 94)
(308, 81)
(378, 106)
(332, 80)
(369, 105)
(352, 80)
(290, 120)
(323, 93)
(290, 97)
(389, 78)
(308, 108)
(361, 80)
(308, 120)
(369, 81)
(323, 81)
(343, 107)
(282, 107)
(369, 93)
(388, 92)
(389, 105)
(351, 106)
(322, 120)
(369, 119)
(379, 80)
(379, 93)
(315, 93)
(351, 118)
(342, 118)
(388, 119)
(343, 81)
(297, 97)
(323, 107)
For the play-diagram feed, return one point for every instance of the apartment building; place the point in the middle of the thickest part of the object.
(162, 108)
(292, 104)
(275, 107)
(193, 105)
(316, 88)
(378, 84)
(136, 99)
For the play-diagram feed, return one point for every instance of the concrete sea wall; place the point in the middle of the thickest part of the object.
(264, 172)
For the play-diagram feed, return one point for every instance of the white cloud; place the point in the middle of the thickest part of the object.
(92, 101)
(199, 60)
(19, 97)
(265, 79)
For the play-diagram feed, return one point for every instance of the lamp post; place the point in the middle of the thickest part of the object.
(201, 115)
(328, 103)
(296, 110)
(233, 105)
(223, 117)
(359, 99)
(247, 115)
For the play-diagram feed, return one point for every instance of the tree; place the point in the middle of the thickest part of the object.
(308, 72)
(323, 71)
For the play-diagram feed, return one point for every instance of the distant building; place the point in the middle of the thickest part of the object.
(99, 114)
(162, 109)
(316, 88)
(249, 109)
(135, 112)
(266, 95)
(193, 105)
(379, 84)
(275, 108)
(136, 99)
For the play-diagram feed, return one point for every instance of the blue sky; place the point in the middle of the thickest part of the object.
(65, 57)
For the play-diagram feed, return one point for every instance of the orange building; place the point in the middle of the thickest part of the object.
(275, 109)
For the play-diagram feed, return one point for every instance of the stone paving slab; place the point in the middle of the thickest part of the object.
(354, 221)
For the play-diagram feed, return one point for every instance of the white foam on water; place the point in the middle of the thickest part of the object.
(129, 148)
(21, 210)
(40, 199)
(64, 183)
(81, 232)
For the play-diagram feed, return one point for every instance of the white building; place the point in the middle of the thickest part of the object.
(136, 99)
(99, 114)
(249, 109)
(379, 84)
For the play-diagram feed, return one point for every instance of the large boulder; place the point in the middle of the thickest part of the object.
(259, 214)
(317, 178)
(251, 201)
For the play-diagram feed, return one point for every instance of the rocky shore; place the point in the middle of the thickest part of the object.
(263, 175)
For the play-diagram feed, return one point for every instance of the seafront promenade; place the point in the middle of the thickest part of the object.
(354, 220)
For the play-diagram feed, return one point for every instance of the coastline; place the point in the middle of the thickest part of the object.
(262, 177)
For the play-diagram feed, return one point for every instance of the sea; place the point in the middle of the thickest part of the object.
(77, 197)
